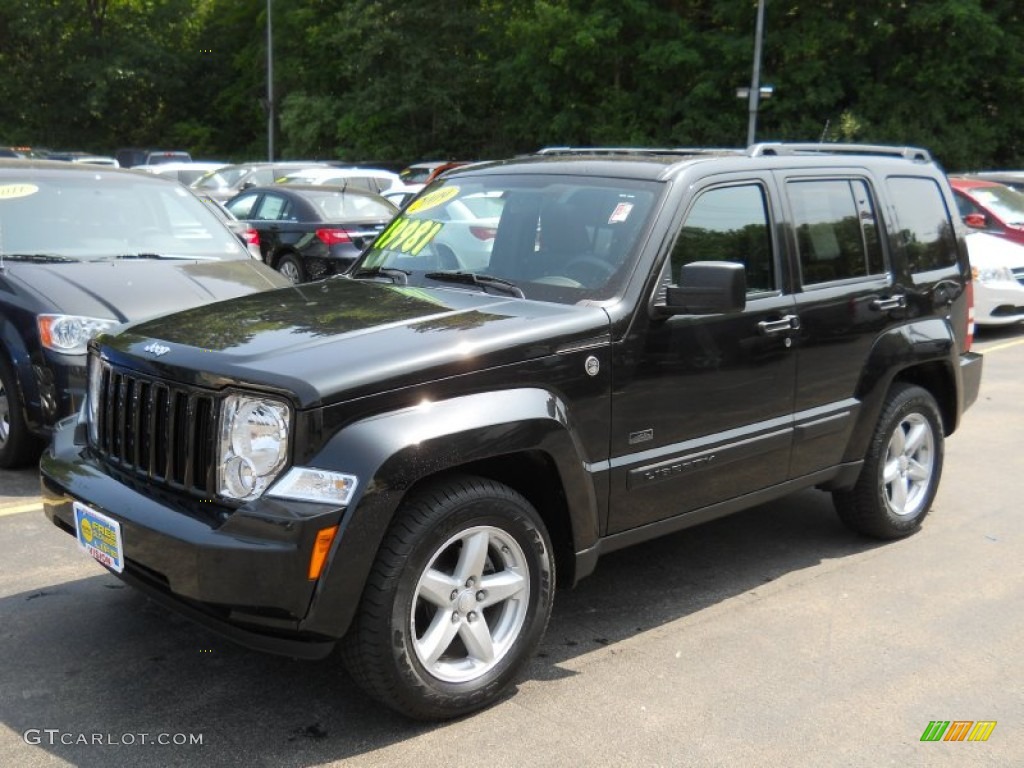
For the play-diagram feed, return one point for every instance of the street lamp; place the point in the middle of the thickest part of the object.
(270, 83)
(754, 95)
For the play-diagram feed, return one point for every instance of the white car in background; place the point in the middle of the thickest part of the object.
(185, 172)
(376, 180)
(997, 265)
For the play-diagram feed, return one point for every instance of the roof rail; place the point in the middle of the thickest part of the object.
(639, 151)
(916, 154)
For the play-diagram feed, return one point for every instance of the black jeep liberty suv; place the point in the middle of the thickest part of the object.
(539, 361)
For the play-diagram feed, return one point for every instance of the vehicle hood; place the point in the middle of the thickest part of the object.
(991, 251)
(130, 290)
(331, 340)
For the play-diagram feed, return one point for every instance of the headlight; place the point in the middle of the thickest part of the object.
(68, 334)
(253, 445)
(993, 275)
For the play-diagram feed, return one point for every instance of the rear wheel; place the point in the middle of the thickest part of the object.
(457, 601)
(290, 266)
(902, 468)
(18, 445)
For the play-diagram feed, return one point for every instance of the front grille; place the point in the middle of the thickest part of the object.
(164, 432)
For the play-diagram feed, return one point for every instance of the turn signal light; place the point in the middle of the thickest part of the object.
(321, 547)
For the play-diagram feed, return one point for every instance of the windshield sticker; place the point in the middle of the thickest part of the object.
(408, 235)
(621, 213)
(11, 191)
(433, 199)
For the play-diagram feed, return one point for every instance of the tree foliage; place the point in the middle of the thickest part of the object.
(401, 80)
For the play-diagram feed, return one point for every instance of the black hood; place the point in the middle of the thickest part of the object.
(340, 338)
(129, 290)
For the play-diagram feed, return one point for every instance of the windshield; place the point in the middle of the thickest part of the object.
(108, 215)
(557, 238)
(220, 179)
(1006, 203)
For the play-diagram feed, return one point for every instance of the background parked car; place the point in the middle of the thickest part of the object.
(186, 173)
(308, 231)
(248, 236)
(1013, 179)
(128, 158)
(85, 249)
(428, 170)
(83, 157)
(997, 265)
(400, 194)
(990, 206)
(224, 183)
(375, 180)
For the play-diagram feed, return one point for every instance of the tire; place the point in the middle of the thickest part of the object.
(457, 600)
(291, 267)
(902, 468)
(19, 447)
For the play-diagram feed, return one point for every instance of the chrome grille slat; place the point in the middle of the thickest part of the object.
(157, 430)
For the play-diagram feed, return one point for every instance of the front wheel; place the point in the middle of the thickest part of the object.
(457, 601)
(902, 468)
(18, 446)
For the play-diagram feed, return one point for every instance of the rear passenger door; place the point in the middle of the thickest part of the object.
(846, 297)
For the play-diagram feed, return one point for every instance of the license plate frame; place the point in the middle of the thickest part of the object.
(99, 536)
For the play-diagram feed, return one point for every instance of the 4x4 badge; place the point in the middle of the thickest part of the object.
(156, 349)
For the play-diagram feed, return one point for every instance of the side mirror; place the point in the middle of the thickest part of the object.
(708, 288)
(975, 220)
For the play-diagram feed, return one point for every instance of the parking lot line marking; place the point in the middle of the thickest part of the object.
(1004, 345)
(15, 509)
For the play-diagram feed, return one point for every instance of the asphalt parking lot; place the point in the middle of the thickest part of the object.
(771, 638)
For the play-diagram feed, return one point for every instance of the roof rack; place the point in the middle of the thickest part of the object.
(916, 154)
(639, 151)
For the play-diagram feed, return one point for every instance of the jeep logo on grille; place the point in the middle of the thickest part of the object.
(156, 349)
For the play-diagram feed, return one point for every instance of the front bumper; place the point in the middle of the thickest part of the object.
(241, 572)
(998, 303)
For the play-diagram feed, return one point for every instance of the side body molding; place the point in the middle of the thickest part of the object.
(390, 452)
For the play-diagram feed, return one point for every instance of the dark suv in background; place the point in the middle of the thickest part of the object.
(405, 458)
(83, 249)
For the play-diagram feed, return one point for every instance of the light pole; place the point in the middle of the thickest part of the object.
(755, 78)
(270, 82)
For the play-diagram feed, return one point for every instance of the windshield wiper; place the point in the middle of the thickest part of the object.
(398, 276)
(482, 281)
(40, 258)
(165, 257)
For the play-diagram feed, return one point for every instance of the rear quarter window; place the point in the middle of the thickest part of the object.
(924, 225)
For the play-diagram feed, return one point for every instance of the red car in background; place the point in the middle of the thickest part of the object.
(990, 207)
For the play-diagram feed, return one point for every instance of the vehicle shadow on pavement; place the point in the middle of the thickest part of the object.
(642, 587)
(91, 659)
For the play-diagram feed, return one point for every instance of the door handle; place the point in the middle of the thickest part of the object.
(899, 301)
(785, 323)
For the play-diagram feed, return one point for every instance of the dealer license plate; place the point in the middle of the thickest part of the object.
(100, 536)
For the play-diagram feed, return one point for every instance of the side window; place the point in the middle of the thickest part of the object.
(925, 228)
(242, 205)
(729, 224)
(837, 233)
(261, 176)
(273, 208)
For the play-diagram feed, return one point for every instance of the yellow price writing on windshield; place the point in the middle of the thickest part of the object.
(433, 199)
(408, 235)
